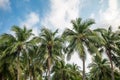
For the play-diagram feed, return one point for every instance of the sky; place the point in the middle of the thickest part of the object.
(57, 14)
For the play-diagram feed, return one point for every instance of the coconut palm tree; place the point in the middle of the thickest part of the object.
(109, 44)
(17, 43)
(7, 67)
(99, 69)
(7, 71)
(116, 57)
(32, 62)
(79, 37)
(51, 47)
(63, 71)
(117, 74)
(116, 60)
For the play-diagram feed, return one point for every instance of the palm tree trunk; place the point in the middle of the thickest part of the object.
(63, 76)
(18, 76)
(1, 77)
(30, 76)
(34, 78)
(111, 63)
(33, 74)
(49, 60)
(46, 74)
(48, 68)
(84, 69)
(25, 76)
(30, 72)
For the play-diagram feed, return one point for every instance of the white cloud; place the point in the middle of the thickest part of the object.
(92, 16)
(61, 13)
(36, 30)
(32, 20)
(76, 60)
(5, 4)
(111, 16)
(101, 1)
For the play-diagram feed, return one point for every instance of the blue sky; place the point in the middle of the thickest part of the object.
(57, 14)
(15, 12)
(12, 12)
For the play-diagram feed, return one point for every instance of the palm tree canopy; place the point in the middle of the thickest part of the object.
(16, 43)
(63, 71)
(49, 40)
(18, 40)
(109, 38)
(110, 42)
(81, 36)
(99, 69)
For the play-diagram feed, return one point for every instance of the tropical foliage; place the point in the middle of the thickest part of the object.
(25, 56)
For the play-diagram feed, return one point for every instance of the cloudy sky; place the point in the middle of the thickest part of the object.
(57, 13)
